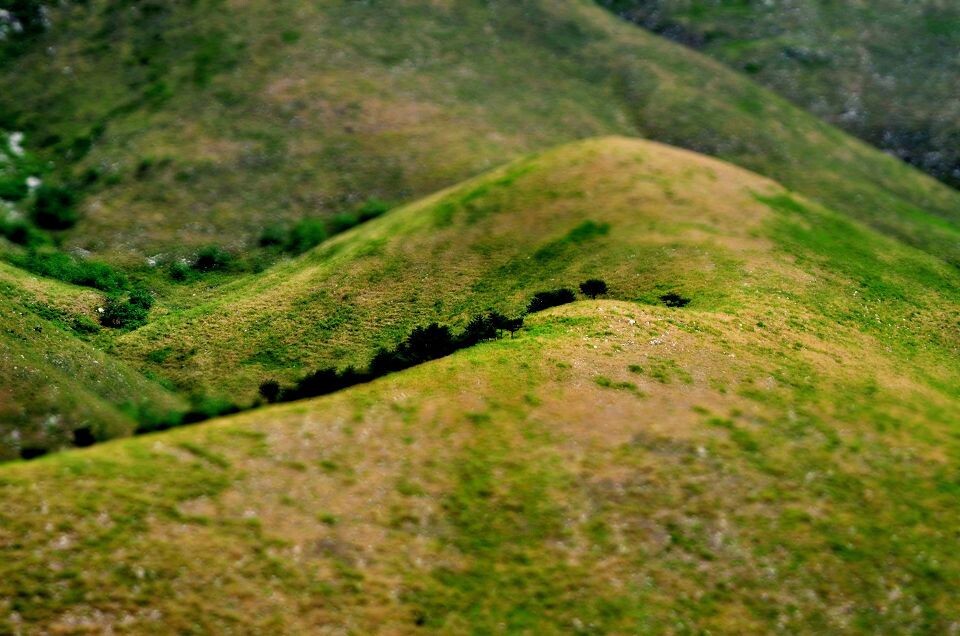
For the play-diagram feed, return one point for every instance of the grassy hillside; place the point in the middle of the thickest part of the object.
(616, 468)
(647, 218)
(879, 70)
(180, 124)
(53, 382)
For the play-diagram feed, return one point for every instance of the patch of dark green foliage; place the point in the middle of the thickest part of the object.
(308, 233)
(72, 269)
(127, 312)
(421, 345)
(674, 300)
(54, 208)
(593, 287)
(552, 298)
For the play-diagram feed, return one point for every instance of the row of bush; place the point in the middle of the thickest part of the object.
(296, 239)
(308, 233)
(421, 345)
(126, 304)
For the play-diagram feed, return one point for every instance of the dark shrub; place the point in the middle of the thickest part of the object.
(674, 300)
(213, 258)
(385, 362)
(32, 452)
(546, 299)
(593, 288)
(141, 298)
(22, 234)
(320, 382)
(372, 209)
(83, 437)
(120, 313)
(270, 391)
(428, 343)
(53, 208)
(480, 328)
(343, 222)
(273, 235)
(306, 234)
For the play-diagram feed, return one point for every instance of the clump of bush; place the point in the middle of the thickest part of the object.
(54, 208)
(546, 299)
(127, 312)
(213, 258)
(593, 287)
(308, 233)
(22, 233)
(71, 269)
(674, 300)
(305, 235)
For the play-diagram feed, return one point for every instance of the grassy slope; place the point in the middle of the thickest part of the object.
(615, 468)
(875, 69)
(207, 122)
(52, 381)
(645, 217)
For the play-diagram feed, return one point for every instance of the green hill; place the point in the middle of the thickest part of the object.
(616, 468)
(52, 382)
(878, 69)
(647, 218)
(776, 455)
(754, 430)
(180, 124)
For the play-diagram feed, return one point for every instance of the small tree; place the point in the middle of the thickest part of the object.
(593, 288)
(502, 323)
(513, 325)
(428, 343)
(480, 328)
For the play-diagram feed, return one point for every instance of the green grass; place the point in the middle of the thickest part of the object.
(604, 208)
(646, 218)
(541, 501)
(208, 122)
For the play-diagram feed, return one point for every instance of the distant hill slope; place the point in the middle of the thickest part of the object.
(647, 218)
(188, 123)
(51, 381)
(885, 70)
(616, 468)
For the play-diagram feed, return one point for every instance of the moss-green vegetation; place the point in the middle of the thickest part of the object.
(208, 123)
